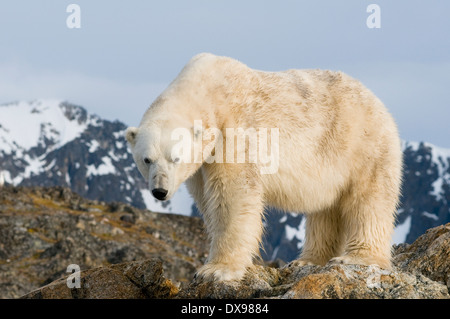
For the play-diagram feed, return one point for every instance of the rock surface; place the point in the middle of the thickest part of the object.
(421, 271)
(124, 252)
(132, 280)
(328, 282)
(44, 230)
(428, 255)
(145, 279)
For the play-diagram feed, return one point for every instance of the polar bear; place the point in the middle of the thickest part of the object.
(338, 160)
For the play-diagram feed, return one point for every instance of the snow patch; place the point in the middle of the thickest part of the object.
(35, 167)
(299, 232)
(441, 157)
(438, 191)
(105, 168)
(68, 179)
(94, 146)
(401, 231)
(410, 144)
(432, 216)
(119, 135)
(24, 124)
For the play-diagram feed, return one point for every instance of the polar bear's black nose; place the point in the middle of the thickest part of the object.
(159, 193)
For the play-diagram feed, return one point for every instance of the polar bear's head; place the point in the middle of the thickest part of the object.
(163, 159)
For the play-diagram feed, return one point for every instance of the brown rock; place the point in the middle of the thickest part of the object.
(43, 230)
(148, 275)
(135, 280)
(362, 282)
(428, 255)
(328, 282)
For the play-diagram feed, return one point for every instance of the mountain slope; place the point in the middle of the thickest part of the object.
(50, 142)
(426, 188)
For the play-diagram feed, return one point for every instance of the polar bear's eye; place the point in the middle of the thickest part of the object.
(147, 160)
(176, 159)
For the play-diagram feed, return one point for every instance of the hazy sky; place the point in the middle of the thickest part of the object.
(127, 52)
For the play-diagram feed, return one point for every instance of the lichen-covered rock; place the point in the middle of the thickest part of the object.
(45, 229)
(149, 255)
(145, 279)
(428, 255)
(328, 282)
(135, 280)
(360, 282)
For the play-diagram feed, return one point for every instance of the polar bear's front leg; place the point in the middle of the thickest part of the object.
(233, 208)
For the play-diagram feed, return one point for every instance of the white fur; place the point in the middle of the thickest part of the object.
(340, 161)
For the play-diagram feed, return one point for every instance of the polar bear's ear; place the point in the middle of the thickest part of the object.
(130, 135)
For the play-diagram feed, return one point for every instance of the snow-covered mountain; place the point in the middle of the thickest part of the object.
(51, 142)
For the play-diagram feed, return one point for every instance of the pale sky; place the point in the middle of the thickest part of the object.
(127, 52)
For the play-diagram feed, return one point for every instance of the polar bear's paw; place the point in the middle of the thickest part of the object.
(219, 272)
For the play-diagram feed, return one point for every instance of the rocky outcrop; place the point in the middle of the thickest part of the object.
(137, 280)
(421, 271)
(329, 282)
(146, 280)
(428, 255)
(133, 280)
(44, 230)
(124, 252)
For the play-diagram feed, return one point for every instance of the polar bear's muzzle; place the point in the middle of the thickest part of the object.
(160, 193)
(159, 186)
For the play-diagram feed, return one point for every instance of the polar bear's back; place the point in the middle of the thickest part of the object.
(323, 116)
(324, 107)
